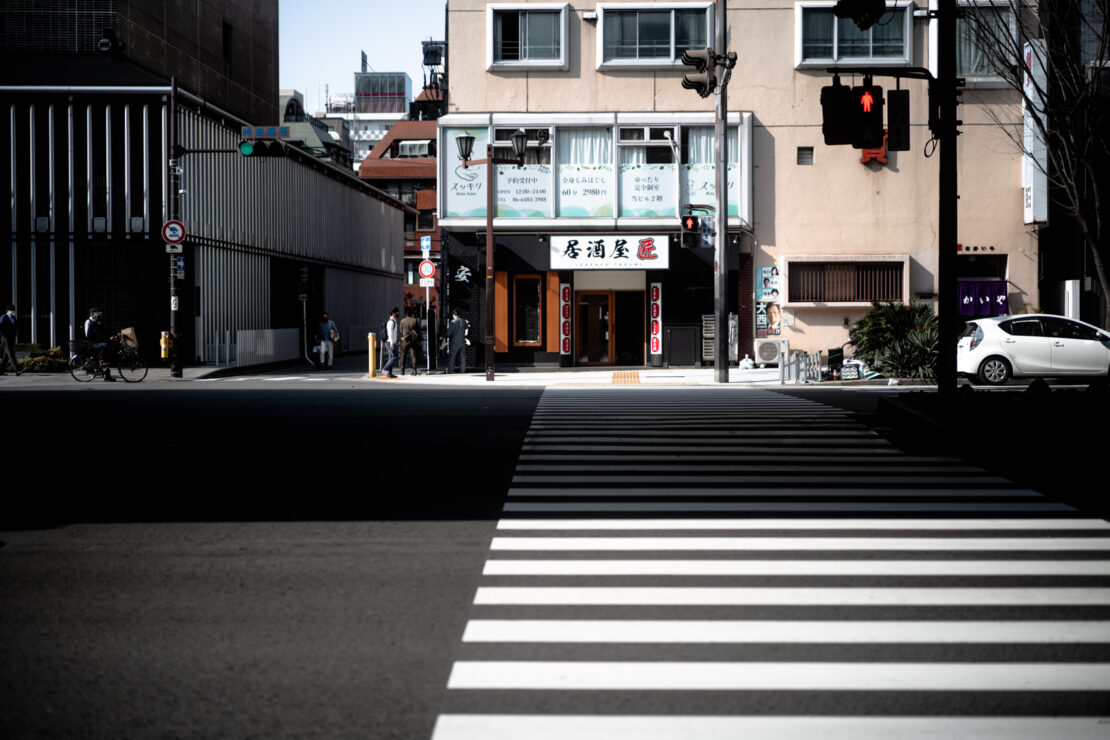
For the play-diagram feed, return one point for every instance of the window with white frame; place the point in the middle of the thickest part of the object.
(822, 38)
(981, 34)
(532, 35)
(632, 34)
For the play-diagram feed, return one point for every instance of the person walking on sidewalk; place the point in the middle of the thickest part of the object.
(8, 330)
(410, 339)
(456, 340)
(329, 334)
(392, 330)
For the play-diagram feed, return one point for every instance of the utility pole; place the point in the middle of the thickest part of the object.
(714, 67)
(720, 239)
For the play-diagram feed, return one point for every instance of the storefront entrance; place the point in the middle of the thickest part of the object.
(592, 319)
(609, 328)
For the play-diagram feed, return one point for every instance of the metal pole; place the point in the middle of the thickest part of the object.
(720, 257)
(949, 196)
(175, 186)
(489, 262)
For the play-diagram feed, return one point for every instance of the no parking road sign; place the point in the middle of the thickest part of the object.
(173, 233)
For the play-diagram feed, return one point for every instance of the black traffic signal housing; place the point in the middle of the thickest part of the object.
(704, 81)
(898, 121)
(255, 148)
(836, 113)
(864, 13)
(691, 231)
(867, 116)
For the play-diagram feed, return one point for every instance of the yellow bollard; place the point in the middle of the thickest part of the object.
(373, 342)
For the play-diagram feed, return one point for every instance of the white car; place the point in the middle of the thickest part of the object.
(993, 350)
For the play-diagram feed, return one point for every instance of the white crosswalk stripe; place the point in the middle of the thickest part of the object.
(724, 563)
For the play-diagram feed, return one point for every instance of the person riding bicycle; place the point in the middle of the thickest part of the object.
(100, 340)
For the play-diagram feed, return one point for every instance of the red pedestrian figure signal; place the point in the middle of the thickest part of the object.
(866, 101)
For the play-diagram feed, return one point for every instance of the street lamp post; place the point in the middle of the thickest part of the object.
(466, 147)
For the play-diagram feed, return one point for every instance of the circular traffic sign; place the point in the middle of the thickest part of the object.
(173, 232)
(427, 268)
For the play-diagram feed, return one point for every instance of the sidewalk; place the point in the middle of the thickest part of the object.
(353, 366)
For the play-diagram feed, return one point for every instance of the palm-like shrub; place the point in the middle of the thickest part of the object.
(898, 341)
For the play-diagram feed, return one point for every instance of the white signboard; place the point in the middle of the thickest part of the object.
(466, 186)
(609, 252)
(1034, 177)
(586, 191)
(649, 190)
(523, 192)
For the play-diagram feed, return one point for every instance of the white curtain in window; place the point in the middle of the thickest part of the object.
(633, 154)
(585, 146)
(701, 141)
(970, 58)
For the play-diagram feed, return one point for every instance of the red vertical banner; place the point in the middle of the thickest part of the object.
(655, 337)
(564, 319)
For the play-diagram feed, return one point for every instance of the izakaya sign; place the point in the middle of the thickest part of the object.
(609, 252)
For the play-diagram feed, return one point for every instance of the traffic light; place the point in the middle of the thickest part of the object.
(704, 81)
(691, 231)
(261, 148)
(898, 121)
(867, 116)
(864, 13)
(836, 113)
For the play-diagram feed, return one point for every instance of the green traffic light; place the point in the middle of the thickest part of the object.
(246, 148)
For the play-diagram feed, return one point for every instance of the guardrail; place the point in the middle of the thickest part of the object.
(800, 367)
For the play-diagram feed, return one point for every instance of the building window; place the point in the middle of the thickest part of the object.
(845, 282)
(647, 166)
(822, 38)
(532, 35)
(527, 309)
(981, 35)
(631, 35)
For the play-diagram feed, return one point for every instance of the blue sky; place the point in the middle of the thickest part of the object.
(321, 43)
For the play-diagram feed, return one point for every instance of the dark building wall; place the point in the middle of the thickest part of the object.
(225, 51)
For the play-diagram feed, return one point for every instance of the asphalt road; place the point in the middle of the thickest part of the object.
(215, 560)
(253, 559)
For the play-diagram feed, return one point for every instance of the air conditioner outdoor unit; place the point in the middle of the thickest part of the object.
(767, 350)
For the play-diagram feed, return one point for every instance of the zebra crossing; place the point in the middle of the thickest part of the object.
(721, 563)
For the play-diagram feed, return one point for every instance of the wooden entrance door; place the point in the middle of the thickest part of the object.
(593, 328)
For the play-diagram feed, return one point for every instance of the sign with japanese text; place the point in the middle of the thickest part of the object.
(699, 185)
(1034, 177)
(586, 191)
(523, 192)
(648, 190)
(465, 186)
(655, 332)
(768, 306)
(564, 319)
(264, 132)
(609, 252)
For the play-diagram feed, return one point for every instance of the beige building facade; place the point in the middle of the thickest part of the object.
(618, 148)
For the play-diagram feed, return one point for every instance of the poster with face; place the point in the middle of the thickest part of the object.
(768, 307)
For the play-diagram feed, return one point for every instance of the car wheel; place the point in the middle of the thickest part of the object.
(994, 371)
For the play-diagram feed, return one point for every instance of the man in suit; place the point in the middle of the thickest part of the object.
(410, 339)
(456, 340)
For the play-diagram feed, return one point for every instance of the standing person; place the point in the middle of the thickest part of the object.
(456, 340)
(392, 330)
(410, 339)
(8, 329)
(329, 335)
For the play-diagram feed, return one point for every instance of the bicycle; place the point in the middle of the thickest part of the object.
(86, 365)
